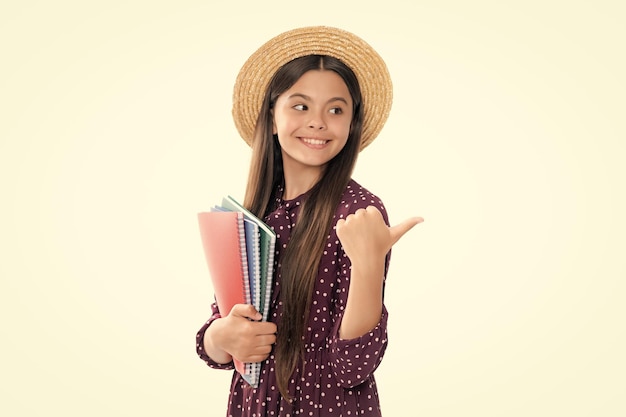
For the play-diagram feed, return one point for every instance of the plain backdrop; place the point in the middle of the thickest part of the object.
(507, 135)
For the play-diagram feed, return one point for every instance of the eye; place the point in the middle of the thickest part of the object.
(336, 110)
(300, 107)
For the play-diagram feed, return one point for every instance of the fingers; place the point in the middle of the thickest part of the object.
(260, 346)
(266, 340)
(400, 229)
(255, 327)
(248, 340)
(373, 211)
(247, 311)
(367, 211)
(360, 214)
(265, 328)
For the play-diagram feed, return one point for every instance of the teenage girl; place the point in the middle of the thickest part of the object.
(308, 101)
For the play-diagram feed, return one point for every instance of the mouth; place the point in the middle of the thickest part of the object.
(313, 142)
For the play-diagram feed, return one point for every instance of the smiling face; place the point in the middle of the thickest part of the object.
(312, 120)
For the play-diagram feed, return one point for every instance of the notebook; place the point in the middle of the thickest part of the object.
(253, 255)
(268, 247)
(255, 249)
(224, 244)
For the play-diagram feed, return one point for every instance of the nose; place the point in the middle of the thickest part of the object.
(317, 121)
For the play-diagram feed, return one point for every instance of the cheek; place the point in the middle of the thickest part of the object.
(283, 124)
(345, 125)
(343, 129)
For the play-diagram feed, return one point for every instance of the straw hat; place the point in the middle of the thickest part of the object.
(368, 66)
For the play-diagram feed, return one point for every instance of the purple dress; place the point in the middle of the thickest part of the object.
(338, 375)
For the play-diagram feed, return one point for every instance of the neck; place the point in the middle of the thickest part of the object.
(299, 181)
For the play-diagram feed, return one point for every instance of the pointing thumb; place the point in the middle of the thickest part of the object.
(400, 229)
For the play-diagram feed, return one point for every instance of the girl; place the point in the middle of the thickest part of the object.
(307, 102)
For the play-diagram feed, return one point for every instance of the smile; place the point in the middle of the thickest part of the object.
(315, 142)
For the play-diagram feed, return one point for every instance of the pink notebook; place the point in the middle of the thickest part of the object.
(224, 243)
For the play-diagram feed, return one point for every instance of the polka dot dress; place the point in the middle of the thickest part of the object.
(337, 378)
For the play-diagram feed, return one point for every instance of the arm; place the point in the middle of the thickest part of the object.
(366, 240)
(204, 352)
(365, 298)
(353, 360)
(238, 334)
(360, 340)
(211, 346)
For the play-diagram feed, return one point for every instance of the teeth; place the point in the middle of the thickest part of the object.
(314, 141)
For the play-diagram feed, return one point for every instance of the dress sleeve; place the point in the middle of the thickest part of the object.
(354, 360)
(200, 341)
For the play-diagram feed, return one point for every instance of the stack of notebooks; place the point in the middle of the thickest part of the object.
(239, 251)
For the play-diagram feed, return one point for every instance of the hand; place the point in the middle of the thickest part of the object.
(365, 237)
(366, 240)
(241, 337)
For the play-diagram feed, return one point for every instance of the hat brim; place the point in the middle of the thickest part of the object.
(370, 69)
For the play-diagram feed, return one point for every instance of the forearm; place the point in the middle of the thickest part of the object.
(365, 299)
(353, 361)
(211, 344)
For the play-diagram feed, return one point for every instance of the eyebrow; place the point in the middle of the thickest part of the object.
(305, 97)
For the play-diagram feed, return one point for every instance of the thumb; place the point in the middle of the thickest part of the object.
(246, 310)
(400, 229)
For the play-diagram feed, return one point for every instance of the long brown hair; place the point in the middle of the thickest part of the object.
(300, 261)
